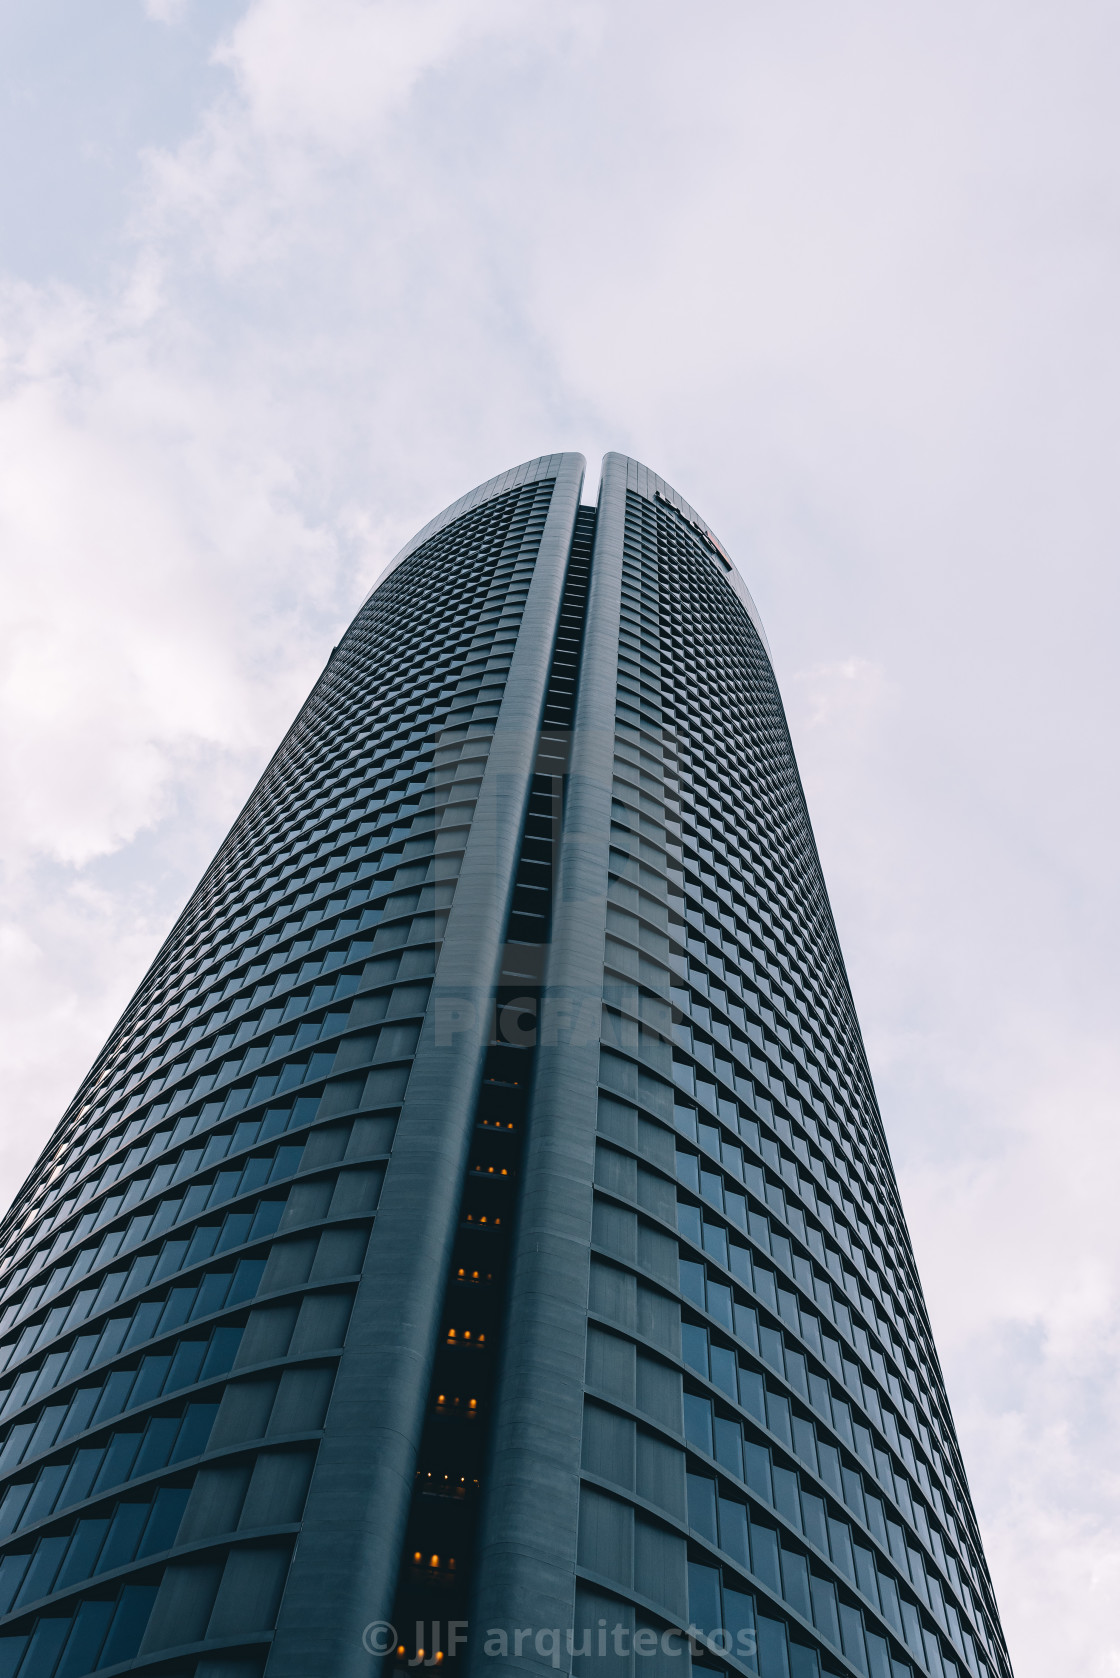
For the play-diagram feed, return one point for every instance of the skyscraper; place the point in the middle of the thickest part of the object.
(477, 1244)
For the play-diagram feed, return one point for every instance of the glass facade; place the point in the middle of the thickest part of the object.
(747, 1224)
(481, 1216)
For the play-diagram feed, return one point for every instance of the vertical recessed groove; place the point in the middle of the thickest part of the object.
(526, 1573)
(439, 1553)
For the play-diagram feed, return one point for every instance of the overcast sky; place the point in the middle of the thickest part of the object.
(281, 278)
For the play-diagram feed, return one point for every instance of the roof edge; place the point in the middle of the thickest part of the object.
(529, 471)
(646, 482)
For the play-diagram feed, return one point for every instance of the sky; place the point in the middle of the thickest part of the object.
(279, 279)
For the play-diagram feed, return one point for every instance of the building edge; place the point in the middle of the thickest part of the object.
(344, 1570)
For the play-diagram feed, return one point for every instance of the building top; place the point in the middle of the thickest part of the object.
(638, 477)
(646, 482)
(529, 471)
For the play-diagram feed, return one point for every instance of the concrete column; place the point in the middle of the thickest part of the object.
(525, 1570)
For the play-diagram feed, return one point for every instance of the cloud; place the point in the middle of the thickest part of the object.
(145, 524)
(1035, 1356)
(330, 80)
(165, 11)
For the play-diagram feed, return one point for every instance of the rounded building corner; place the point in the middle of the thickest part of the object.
(566, 466)
(644, 481)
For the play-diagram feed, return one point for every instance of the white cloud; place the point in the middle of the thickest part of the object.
(165, 11)
(144, 521)
(329, 78)
(1036, 1353)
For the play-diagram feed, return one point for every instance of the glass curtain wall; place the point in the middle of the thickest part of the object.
(178, 1273)
(768, 1452)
